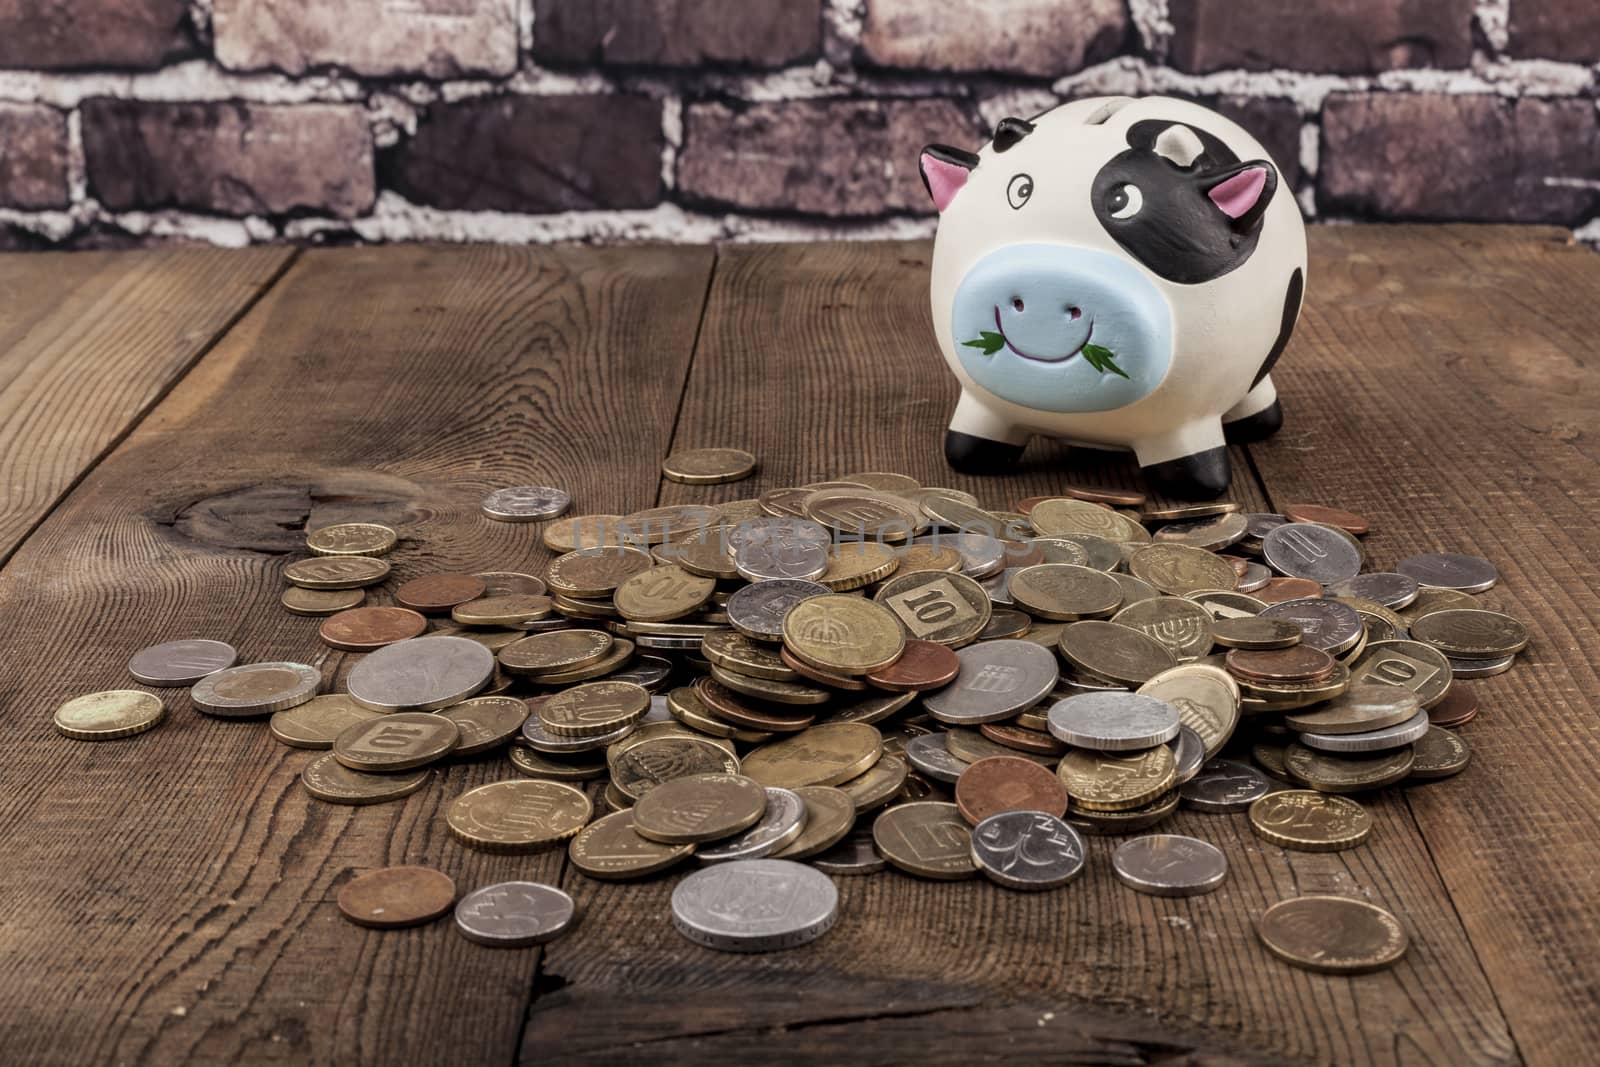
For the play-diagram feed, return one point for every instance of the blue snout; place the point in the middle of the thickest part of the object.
(1062, 329)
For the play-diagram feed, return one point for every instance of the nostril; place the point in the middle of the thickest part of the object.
(1016, 302)
(1074, 313)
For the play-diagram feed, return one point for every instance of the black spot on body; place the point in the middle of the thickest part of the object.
(1291, 314)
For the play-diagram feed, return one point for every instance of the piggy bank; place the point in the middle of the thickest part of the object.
(1120, 273)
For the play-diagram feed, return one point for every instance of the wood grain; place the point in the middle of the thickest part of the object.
(1446, 384)
(820, 359)
(170, 898)
(88, 342)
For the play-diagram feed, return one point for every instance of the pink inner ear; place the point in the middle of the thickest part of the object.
(945, 180)
(1239, 193)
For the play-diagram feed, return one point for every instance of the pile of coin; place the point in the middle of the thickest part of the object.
(865, 672)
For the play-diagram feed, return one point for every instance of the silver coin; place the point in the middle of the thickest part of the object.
(422, 674)
(1224, 786)
(255, 689)
(525, 503)
(778, 530)
(755, 905)
(1061, 550)
(659, 711)
(1027, 850)
(1258, 524)
(513, 914)
(1325, 624)
(981, 555)
(1212, 534)
(1114, 722)
(1392, 590)
(1223, 604)
(1189, 752)
(1255, 576)
(765, 561)
(1479, 668)
(998, 586)
(1308, 550)
(856, 854)
(1169, 865)
(545, 625)
(1101, 554)
(541, 739)
(1371, 740)
(176, 663)
(997, 679)
(1450, 570)
(650, 672)
(930, 754)
(782, 822)
(757, 610)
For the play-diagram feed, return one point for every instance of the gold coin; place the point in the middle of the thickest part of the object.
(1291, 695)
(1431, 599)
(1357, 710)
(699, 808)
(1180, 570)
(1130, 821)
(352, 539)
(1471, 633)
(843, 633)
(595, 572)
(611, 850)
(555, 651)
(945, 608)
(313, 602)
(621, 655)
(888, 481)
(708, 466)
(1118, 653)
(830, 815)
(651, 731)
(662, 593)
(486, 722)
(1308, 821)
(863, 514)
(327, 779)
(109, 715)
(928, 557)
(512, 610)
(1059, 516)
(400, 741)
(594, 709)
(655, 525)
(1207, 699)
(878, 784)
(1064, 592)
(583, 532)
(685, 705)
(1254, 632)
(1328, 773)
(1333, 935)
(577, 767)
(319, 721)
(1116, 781)
(1180, 624)
(576, 608)
(927, 838)
(642, 767)
(336, 572)
(704, 553)
(737, 511)
(772, 690)
(519, 815)
(736, 652)
(822, 755)
(1439, 754)
(511, 583)
(1420, 668)
(1188, 512)
(854, 564)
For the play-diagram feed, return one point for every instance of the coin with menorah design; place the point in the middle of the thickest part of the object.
(843, 633)
(1183, 626)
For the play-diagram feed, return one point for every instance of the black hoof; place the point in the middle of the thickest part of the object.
(1258, 427)
(979, 455)
(1202, 476)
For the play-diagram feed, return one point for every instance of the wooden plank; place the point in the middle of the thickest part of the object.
(820, 359)
(170, 898)
(89, 341)
(1446, 384)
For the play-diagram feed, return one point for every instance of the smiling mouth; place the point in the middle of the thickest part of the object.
(1001, 330)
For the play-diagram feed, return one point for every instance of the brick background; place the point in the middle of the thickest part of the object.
(130, 121)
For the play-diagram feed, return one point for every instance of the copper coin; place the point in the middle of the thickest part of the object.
(1239, 564)
(1278, 590)
(392, 897)
(364, 629)
(1026, 504)
(1458, 707)
(1022, 739)
(1297, 663)
(1122, 498)
(1008, 783)
(923, 665)
(731, 707)
(1344, 520)
(436, 594)
(817, 674)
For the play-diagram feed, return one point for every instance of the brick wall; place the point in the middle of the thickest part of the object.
(235, 121)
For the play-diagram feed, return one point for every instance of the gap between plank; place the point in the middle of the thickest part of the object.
(694, 353)
(143, 413)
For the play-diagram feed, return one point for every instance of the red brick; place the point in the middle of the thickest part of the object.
(533, 153)
(1471, 157)
(677, 33)
(836, 158)
(33, 157)
(1556, 29)
(1275, 123)
(1327, 36)
(1043, 38)
(439, 38)
(68, 34)
(229, 158)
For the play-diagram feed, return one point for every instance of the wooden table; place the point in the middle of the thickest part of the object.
(172, 421)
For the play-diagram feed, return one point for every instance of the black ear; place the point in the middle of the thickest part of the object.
(1009, 132)
(1243, 191)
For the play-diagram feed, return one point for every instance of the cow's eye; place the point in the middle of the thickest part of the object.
(1018, 191)
(1124, 201)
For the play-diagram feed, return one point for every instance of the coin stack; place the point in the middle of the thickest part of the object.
(835, 677)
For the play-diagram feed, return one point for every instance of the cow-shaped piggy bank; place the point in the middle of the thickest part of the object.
(1117, 272)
